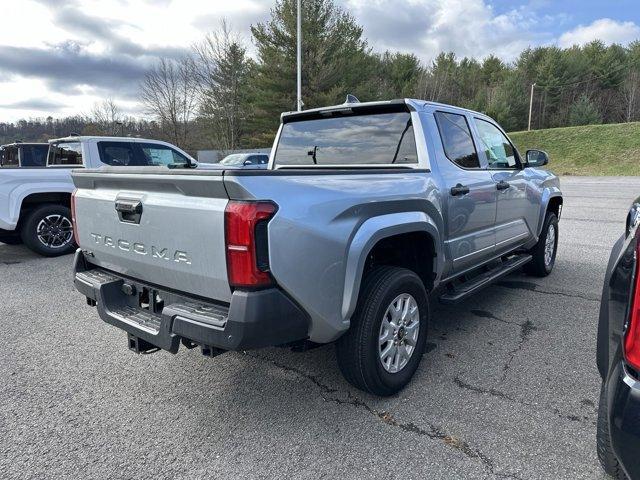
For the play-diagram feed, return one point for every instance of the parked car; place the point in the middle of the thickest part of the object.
(20, 155)
(246, 160)
(366, 209)
(35, 202)
(618, 356)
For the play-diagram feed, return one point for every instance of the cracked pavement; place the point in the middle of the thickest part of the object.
(507, 389)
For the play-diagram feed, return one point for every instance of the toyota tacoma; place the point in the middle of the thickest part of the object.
(365, 210)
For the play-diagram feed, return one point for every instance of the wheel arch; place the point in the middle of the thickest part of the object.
(39, 198)
(29, 199)
(551, 201)
(414, 230)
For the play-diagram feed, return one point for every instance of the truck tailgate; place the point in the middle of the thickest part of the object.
(164, 226)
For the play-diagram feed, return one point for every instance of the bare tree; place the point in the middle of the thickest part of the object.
(169, 93)
(223, 74)
(107, 117)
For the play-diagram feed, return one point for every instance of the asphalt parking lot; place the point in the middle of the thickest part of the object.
(507, 389)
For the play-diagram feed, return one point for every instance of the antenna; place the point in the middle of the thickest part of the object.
(352, 99)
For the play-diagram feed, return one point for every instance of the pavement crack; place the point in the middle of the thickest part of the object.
(498, 394)
(432, 431)
(325, 388)
(491, 316)
(490, 391)
(525, 331)
(534, 287)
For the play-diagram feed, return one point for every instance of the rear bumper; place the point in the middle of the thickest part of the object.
(253, 319)
(624, 419)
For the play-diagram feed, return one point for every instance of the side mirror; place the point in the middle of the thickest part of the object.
(247, 162)
(537, 158)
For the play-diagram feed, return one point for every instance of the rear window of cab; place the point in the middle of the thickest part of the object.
(371, 139)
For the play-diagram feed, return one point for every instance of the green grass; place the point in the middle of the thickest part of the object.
(612, 149)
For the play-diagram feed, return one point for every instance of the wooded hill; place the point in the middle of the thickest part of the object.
(220, 97)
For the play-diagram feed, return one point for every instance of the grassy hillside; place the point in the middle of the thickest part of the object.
(612, 149)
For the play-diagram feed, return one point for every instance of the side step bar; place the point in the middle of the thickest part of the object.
(462, 291)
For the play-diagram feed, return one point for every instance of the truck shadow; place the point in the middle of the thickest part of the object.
(15, 254)
(317, 369)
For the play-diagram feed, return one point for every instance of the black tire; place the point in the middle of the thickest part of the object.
(538, 266)
(357, 350)
(29, 230)
(606, 456)
(10, 239)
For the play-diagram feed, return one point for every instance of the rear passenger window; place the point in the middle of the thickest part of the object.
(117, 154)
(136, 154)
(65, 153)
(457, 140)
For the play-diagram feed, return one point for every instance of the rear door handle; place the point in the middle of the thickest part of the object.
(502, 185)
(459, 189)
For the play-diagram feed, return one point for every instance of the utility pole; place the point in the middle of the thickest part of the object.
(299, 57)
(531, 105)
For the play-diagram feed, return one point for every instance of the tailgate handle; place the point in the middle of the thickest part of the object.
(129, 211)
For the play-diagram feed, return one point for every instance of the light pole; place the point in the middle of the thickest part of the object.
(531, 105)
(299, 57)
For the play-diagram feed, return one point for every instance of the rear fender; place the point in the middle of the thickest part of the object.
(371, 232)
(15, 197)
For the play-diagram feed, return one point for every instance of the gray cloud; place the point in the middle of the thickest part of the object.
(67, 66)
(76, 21)
(34, 104)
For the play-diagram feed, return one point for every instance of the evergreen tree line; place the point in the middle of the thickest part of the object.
(219, 97)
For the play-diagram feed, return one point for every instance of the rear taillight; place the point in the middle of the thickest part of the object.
(632, 335)
(246, 243)
(73, 217)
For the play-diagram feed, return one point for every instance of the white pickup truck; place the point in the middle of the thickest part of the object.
(35, 200)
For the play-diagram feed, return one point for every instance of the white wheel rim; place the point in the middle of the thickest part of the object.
(550, 245)
(399, 333)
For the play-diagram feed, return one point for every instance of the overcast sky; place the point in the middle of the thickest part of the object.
(59, 57)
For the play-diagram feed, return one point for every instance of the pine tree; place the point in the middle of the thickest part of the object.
(334, 57)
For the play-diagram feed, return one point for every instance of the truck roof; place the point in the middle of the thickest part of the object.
(82, 138)
(414, 104)
(16, 144)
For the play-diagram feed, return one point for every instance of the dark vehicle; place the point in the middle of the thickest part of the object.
(618, 356)
(251, 160)
(24, 155)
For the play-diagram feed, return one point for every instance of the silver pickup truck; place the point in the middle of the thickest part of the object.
(365, 211)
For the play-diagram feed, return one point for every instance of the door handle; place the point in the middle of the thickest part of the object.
(129, 211)
(129, 206)
(459, 189)
(502, 185)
